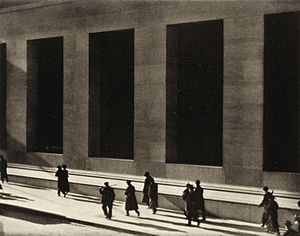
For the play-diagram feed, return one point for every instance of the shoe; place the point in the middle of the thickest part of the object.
(262, 225)
(138, 213)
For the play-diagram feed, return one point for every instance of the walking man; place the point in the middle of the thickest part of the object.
(185, 197)
(153, 195)
(264, 203)
(146, 188)
(200, 204)
(108, 197)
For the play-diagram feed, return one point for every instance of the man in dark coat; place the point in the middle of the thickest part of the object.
(289, 231)
(146, 188)
(185, 196)
(3, 169)
(153, 195)
(192, 212)
(200, 198)
(59, 175)
(108, 197)
(131, 203)
(264, 203)
(272, 208)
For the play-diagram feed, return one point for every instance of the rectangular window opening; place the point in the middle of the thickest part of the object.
(111, 94)
(195, 93)
(45, 95)
(282, 92)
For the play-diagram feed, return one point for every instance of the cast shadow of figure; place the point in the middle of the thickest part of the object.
(223, 231)
(165, 221)
(236, 226)
(28, 186)
(8, 196)
(32, 216)
(149, 225)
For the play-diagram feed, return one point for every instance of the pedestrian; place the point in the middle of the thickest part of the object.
(200, 205)
(185, 196)
(3, 169)
(146, 188)
(108, 197)
(59, 175)
(192, 212)
(289, 231)
(272, 208)
(65, 181)
(153, 195)
(131, 203)
(264, 203)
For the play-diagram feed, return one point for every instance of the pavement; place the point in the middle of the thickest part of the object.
(26, 202)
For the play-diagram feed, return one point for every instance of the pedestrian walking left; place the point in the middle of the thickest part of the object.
(108, 197)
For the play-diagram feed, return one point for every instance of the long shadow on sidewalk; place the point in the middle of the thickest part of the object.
(149, 225)
(27, 186)
(8, 196)
(228, 232)
(236, 226)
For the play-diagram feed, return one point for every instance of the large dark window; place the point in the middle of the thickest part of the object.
(111, 84)
(282, 92)
(3, 96)
(45, 95)
(195, 93)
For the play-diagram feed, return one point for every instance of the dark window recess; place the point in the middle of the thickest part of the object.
(3, 96)
(45, 95)
(195, 93)
(111, 94)
(281, 92)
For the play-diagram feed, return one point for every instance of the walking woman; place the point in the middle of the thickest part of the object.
(59, 175)
(131, 203)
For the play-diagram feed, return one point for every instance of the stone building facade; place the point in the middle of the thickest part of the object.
(242, 147)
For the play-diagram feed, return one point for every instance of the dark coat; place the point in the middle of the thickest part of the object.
(271, 209)
(185, 196)
(153, 195)
(200, 199)
(131, 203)
(3, 169)
(59, 175)
(266, 199)
(192, 211)
(64, 181)
(108, 195)
(146, 189)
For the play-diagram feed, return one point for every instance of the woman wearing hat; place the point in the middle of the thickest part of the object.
(131, 203)
(264, 203)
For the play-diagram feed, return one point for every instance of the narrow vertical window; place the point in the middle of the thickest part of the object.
(111, 93)
(45, 95)
(195, 93)
(282, 92)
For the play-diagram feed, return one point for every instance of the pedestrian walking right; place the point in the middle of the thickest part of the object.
(59, 175)
(153, 195)
(108, 197)
(131, 203)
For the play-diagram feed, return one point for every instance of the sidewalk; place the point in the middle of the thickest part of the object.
(86, 210)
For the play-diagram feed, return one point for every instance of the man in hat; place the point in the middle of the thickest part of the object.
(264, 203)
(147, 182)
(108, 197)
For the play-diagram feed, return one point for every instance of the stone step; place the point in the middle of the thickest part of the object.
(235, 202)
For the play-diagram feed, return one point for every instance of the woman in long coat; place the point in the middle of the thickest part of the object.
(131, 203)
(59, 175)
(153, 195)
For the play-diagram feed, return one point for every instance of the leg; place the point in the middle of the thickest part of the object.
(110, 206)
(137, 212)
(127, 212)
(104, 210)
